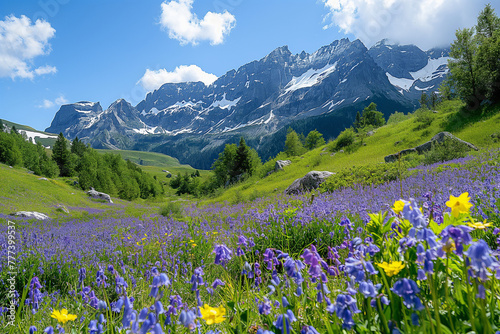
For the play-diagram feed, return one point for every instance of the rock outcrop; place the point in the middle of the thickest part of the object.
(437, 139)
(31, 215)
(280, 164)
(98, 195)
(310, 181)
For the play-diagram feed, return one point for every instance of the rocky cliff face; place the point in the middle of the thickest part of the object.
(259, 100)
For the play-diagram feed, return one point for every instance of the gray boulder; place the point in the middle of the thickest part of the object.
(98, 195)
(310, 181)
(280, 164)
(437, 139)
(62, 208)
(31, 215)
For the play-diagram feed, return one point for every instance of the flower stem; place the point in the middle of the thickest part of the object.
(383, 320)
(469, 300)
(436, 303)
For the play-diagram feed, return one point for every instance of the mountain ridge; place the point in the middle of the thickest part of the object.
(192, 121)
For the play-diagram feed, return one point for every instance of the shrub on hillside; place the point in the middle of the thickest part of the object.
(397, 117)
(366, 175)
(171, 209)
(424, 118)
(448, 150)
(345, 139)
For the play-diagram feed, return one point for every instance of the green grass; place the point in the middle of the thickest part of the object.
(386, 140)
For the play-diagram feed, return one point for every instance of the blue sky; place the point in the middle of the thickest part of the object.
(99, 50)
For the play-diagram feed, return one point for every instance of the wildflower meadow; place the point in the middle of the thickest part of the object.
(418, 255)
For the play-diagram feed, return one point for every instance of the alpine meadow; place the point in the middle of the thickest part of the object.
(351, 188)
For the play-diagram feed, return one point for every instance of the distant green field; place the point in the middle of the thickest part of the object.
(148, 158)
(155, 163)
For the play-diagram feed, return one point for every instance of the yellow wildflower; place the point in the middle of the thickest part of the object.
(449, 246)
(212, 315)
(459, 204)
(479, 225)
(398, 206)
(392, 268)
(63, 316)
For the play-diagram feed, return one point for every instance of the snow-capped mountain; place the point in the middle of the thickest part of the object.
(322, 90)
(411, 70)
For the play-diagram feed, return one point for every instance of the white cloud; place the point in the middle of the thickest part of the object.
(46, 104)
(152, 80)
(425, 23)
(185, 26)
(20, 42)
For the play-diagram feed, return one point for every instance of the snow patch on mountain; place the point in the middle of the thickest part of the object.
(431, 70)
(310, 78)
(32, 135)
(400, 82)
(224, 103)
(435, 68)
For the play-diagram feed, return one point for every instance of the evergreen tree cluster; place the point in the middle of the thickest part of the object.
(298, 144)
(16, 150)
(475, 67)
(429, 101)
(370, 117)
(234, 164)
(187, 184)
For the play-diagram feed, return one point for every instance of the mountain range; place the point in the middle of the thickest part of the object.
(260, 100)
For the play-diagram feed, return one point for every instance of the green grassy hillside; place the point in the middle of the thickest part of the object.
(386, 140)
(21, 191)
(156, 164)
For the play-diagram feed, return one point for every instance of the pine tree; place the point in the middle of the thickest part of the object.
(371, 116)
(314, 139)
(1, 126)
(357, 122)
(434, 100)
(78, 147)
(424, 101)
(61, 155)
(487, 22)
(241, 160)
(293, 145)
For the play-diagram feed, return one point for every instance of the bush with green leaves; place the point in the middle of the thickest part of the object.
(424, 118)
(448, 150)
(345, 139)
(374, 174)
(397, 117)
(171, 209)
